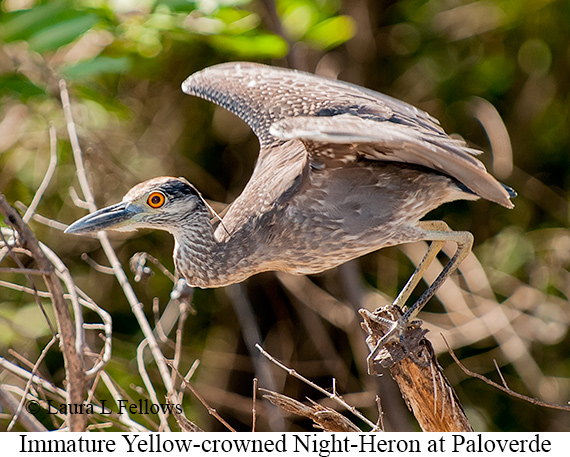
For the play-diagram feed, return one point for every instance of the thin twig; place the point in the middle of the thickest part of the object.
(37, 380)
(188, 376)
(26, 419)
(254, 405)
(123, 416)
(65, 276)
(29, 383)
(380, 422)
(332, 396)
(96, 266)
(183, 315)
(192, 370)
(47, 177)
(42, 219)
(500, 374)
(149, 386)
(21, 358)
(11, 248)
(534, 401)
(77, 201)
(211, 411)
(323, 417)
(88, 303)
(73, 358)
(252, 336)
(28, 271)
(136, 305)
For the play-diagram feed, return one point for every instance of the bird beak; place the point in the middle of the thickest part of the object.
(112, 217)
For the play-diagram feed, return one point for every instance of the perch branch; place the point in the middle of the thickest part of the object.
(419, 376)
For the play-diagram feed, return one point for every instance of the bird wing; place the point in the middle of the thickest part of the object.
(282, 105)
(393, 142)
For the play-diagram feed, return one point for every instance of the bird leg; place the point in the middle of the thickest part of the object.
(438, 232)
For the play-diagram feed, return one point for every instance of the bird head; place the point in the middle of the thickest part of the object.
(161, 203)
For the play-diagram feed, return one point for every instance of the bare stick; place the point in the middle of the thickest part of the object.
(123, 417)
(254, 405)
(534, 401)
(29, 383)
(10, 247)
(158, 327)
(323, 417)
(499, 371)
(28, 271)
(143, 256)
(64, 275)
(37, 380)
(380, 423)
(96, 266)
(211, 411)
(77, 201)
(333, 396)
(148, 384)
(72, 358)
(47, 177)
(88, 303)
(26, 419)
(187, 378)
(42, 219)
(191, 371)
(136, 305)
(183, 315)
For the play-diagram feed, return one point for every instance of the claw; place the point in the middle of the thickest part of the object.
(385, 331)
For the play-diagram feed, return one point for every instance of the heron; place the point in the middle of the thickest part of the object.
(342, 171)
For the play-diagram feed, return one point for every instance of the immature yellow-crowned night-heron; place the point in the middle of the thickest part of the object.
(342, 171)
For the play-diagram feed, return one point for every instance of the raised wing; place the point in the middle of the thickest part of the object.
(281, 105)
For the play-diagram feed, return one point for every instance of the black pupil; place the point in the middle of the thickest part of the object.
(156, 199)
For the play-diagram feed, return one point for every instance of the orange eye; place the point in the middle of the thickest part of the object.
(156, 200)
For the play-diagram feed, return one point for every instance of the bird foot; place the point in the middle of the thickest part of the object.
(391, 338)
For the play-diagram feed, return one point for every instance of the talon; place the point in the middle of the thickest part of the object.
(392, 331)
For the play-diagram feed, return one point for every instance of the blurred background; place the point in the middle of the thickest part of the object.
(496, 72)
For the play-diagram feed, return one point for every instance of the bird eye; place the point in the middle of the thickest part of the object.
(156, 200)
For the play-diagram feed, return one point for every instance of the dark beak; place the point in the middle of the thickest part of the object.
(112, 217)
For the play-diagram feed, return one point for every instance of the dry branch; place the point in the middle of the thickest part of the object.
(332, 395)
(505, 388)
(136, 305)
(25, 418)
(73, 359)
(421, 380)
(326, 418)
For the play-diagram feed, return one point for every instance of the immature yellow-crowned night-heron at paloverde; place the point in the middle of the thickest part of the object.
(342, 171)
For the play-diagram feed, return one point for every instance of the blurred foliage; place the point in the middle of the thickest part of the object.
(124, 61)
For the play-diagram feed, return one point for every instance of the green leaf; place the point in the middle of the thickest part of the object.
(108, 101)
(261, 46)
(62, 33)
(18, 85)
(97, 66)
(21, 25)
(331, 32)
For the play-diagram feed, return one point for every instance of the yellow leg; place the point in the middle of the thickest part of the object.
(428, 258)
(438, 232)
